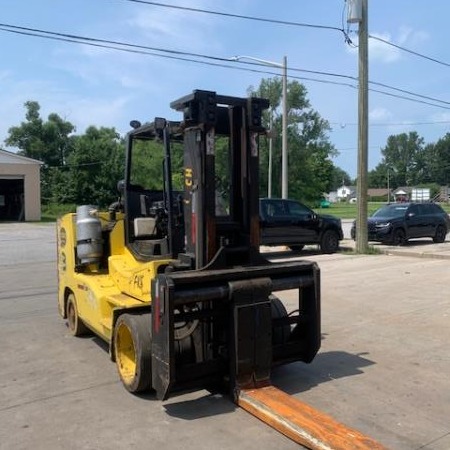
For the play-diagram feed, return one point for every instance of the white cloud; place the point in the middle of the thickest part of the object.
(85, 112)
(380, 115)
(385, 53)
(163, 28)
(80, 110)
(441, 117)
(379, 51)
(411, 38)
(174, 27)
(382, 52)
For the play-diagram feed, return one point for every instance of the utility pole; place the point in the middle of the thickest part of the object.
(358, 13)
(269, 171)
(284, 142)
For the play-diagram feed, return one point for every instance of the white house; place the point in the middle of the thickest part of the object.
(345, 193)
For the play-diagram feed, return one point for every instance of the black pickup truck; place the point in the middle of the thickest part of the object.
(290, 223)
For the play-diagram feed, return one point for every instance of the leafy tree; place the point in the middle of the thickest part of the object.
(94, 167)
(48, 141)
(309, 150)
(147, 168)
(377, 178)
(437, 161)
(339, 177)
(404, 155)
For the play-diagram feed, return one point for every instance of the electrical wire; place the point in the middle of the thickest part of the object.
(429, 58)
(180, 56)
(239, 16)
(392, 124)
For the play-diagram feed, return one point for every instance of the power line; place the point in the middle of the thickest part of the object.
(287, 23)
(409, 92)
(239, 16)
(390, 94)
(392, 124)
(348, 149)
(429, 58)
(90, 42)
(331, 74)
(180, 56)
(76, 38)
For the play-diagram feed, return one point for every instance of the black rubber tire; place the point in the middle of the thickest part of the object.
(280, 334)
(297, 248)
(75, 324)
(399, 237)
(132, 348)
(329, 243)
(440, 235)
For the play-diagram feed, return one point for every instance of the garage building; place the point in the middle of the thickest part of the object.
(20, 187)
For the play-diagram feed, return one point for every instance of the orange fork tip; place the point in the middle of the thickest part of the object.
(302, 423)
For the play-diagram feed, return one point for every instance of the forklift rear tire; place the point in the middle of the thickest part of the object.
(132, 346)
(76, 325)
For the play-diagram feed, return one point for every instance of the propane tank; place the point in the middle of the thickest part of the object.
(89, 235)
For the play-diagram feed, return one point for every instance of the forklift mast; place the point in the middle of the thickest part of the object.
(221, 221)
(219, 290)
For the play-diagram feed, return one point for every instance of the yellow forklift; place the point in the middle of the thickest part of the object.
(172, 278)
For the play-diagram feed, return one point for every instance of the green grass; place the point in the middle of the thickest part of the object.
(349, 211)
(50, 212)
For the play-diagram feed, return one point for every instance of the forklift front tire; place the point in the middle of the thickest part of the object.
(132, 346)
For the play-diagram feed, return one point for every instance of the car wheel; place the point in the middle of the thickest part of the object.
(329, 242)
(296, 248)
(440, 235)
(399, 237)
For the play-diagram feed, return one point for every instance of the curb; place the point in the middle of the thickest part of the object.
(412, 252)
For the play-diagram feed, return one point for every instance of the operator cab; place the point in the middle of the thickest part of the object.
(152, 196)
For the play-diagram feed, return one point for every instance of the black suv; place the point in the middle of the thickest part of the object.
(398, 222)
(288, 222)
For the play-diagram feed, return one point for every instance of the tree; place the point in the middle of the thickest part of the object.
(378, 177)
(339, 177)
(47, 141)
(94, 167)
(309, 150)
(404, 156)
(437, 161)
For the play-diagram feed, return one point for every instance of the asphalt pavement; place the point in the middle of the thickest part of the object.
(382, 369)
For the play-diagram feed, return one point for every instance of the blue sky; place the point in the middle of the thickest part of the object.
(102, 87)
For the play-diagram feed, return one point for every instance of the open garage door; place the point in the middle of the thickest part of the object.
(12, 205)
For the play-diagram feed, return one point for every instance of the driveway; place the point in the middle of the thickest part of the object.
(382, 369)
